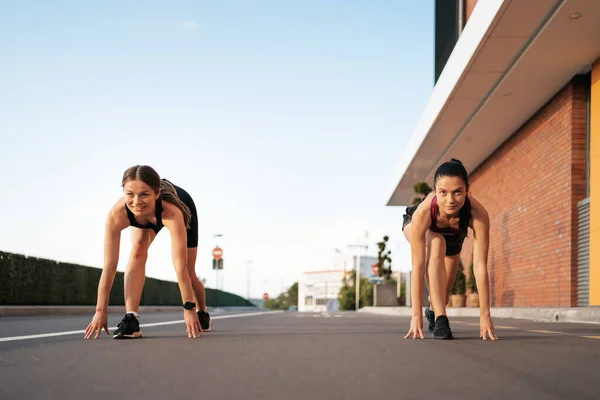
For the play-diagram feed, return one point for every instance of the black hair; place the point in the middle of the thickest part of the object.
(452, 168)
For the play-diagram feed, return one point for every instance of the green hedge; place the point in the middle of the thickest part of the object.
(38, 281)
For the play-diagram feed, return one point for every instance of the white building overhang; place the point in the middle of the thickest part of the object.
(510, 59)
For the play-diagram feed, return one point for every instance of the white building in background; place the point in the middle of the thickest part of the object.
(318, 290)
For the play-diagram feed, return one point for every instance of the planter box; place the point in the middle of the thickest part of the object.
(474, 300)
(458, 300)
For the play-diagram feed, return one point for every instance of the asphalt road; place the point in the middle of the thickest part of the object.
(297, 356)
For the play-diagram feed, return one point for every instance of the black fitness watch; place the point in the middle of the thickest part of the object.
(189, 305)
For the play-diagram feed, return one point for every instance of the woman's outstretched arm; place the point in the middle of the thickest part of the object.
(176, 226)
(116, 221)
(418, 229)
(481, 244)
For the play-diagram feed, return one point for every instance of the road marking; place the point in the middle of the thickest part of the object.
(543, 331)
(477, 324)
(66, 333)
(591, 337)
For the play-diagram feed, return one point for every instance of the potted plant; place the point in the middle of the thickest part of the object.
(385, 292)
(460, 287)
(383, 259)
(472, 284)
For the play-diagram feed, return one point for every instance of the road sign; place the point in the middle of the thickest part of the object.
(217, 264)
(376, 279)
(375, 269)
(217, 253)
(266, 296)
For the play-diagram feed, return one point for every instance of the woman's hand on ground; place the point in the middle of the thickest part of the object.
(99, 322)
(486, 328)
(416, 328)
(192, 324)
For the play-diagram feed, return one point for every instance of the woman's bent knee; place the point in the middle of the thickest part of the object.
(139, 251)
(436, 244)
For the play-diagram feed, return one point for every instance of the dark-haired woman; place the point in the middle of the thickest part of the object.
(436, 229)
(149, 204)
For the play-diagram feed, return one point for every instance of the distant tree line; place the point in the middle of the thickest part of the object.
(285, 300)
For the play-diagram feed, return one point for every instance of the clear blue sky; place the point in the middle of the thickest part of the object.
(283, 119)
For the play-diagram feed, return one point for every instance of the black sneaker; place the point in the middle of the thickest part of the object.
(430, 315)
(204, 318)
(128, 328)
(442, 329)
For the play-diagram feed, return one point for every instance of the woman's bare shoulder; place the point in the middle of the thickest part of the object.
(117, 215)
(170, 212)
(425, 205)
(422, 216)
(478, 211)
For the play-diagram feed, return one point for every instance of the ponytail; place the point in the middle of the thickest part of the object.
(168, 193)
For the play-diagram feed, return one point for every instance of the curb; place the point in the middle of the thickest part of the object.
(585, 315)
(25, 311)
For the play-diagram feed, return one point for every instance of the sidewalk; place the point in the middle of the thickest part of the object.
(588, 315)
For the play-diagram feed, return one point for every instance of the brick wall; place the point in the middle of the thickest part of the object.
(530, 187)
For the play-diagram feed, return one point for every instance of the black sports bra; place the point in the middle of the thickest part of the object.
(156, 228)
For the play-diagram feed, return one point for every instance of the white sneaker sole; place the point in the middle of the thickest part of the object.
(135, 335)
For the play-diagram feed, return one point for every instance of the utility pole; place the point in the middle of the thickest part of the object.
(357, 267)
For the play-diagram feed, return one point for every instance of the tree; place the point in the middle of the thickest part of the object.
(271, 304)
(422, 189)
(382, 258)
(347, 297)
(284, 300)
(293, 294)
(347, 294)
(366, 292)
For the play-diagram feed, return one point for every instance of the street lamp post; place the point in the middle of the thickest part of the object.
(338, 252)
(248, 265)
(357, 283)
(216, 235)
